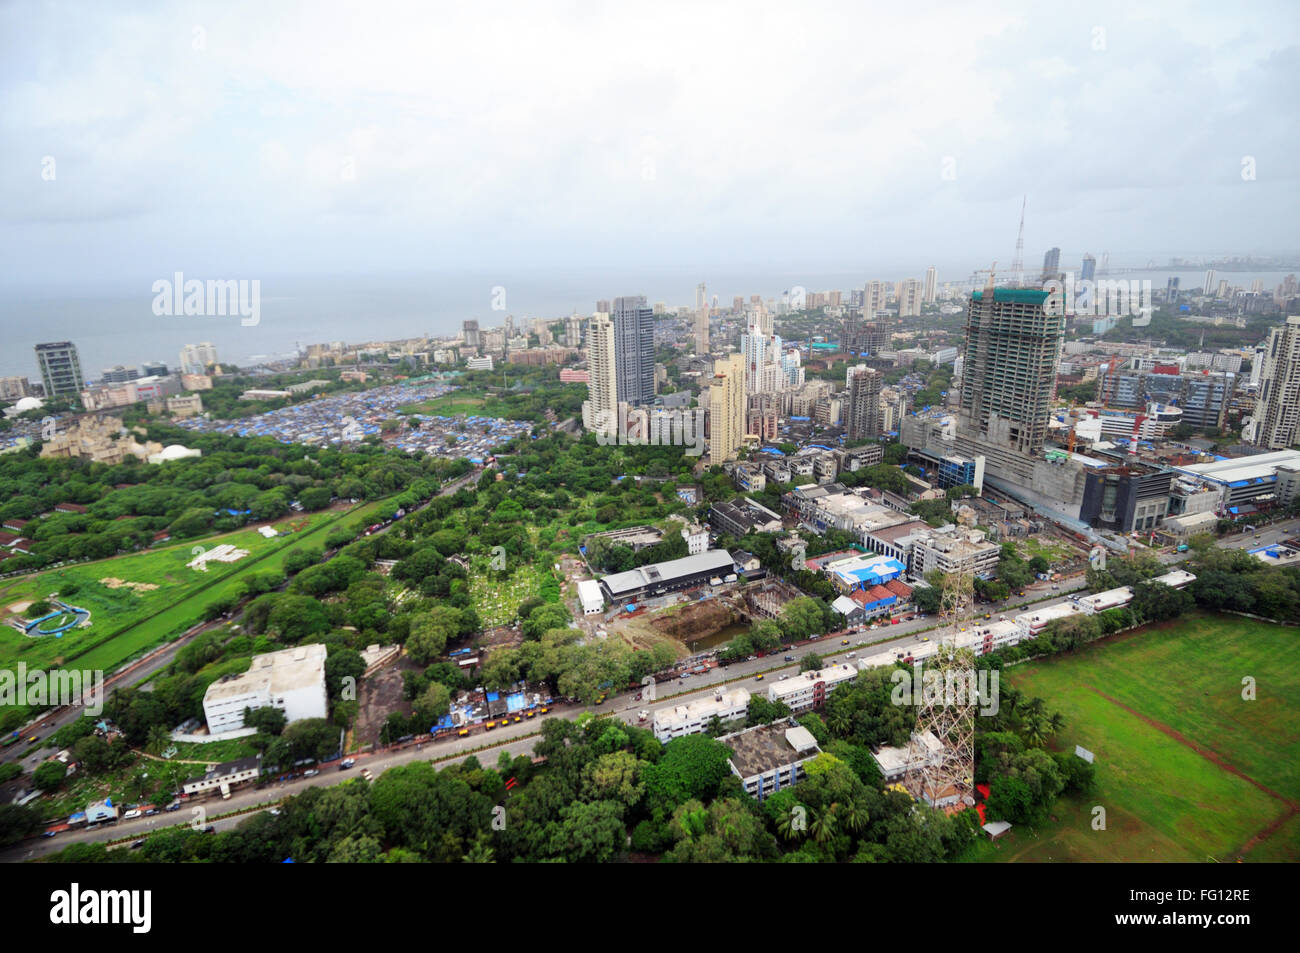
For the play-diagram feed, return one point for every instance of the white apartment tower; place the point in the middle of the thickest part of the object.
(600, 408)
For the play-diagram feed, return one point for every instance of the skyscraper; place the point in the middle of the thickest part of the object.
(874, 295)
(1209, 282)
(909, 298)
(1013, 338)
(60, 368)
(727, 408)
(195, 358)
(1277, 409)
(931, 285)
(573, 331)
(469, 331)
(1089, 270)
(601, 405)
(702, 329)
(1171, 290)
(1051, 264)
(863, 413)
(701, 296)
(634, 350)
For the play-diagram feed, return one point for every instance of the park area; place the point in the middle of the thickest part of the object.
(140, 600)
(1187, 769)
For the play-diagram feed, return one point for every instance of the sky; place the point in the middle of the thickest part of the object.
(235, 140)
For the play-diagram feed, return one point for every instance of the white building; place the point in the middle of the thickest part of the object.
(693, 717)
(292, 680)
(590, 596)
(483, 363)
(809, 689)
(924, 750)
(697, 539)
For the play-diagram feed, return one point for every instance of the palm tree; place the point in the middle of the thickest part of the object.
(823, 825)
(480, 853)
(793, 824)
(853, 815)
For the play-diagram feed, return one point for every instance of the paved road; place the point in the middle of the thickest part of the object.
(514, 738)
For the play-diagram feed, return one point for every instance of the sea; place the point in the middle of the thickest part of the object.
(114, 322)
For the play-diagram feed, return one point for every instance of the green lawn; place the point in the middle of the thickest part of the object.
(1166, 800)
(449, 405)
(124, 621)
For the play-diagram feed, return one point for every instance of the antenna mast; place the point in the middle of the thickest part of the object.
(1018, 266)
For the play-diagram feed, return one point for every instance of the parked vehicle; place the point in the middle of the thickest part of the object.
(346, 763)
(642, 715)
(310, 773)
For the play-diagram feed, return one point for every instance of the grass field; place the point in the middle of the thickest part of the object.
(125, 621)
(449, 405)
(1187, 770)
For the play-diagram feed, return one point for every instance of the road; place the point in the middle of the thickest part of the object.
(514, 738)
(145, 668)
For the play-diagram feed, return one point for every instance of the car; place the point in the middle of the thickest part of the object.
(210, 829)
(519, 717)
(752, 658)
(758, 678)
(783, 678)
(49, 833)
(151, 812)
(545, 710)
(533, 714)
(844, 641)
(789, 658)
(862, 641)
(132, 815)
(852, 655)
(274, 812)
(310, 773)
(490, 725)
(344, 765)
(173, 806)
(137, 844)
(925, 638)
(463, 732)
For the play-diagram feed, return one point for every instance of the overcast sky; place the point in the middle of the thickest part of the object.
(243, 139)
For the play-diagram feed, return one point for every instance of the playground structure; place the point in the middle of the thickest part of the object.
(33, 628)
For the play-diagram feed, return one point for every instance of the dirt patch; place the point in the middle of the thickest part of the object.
(380, 695)
(114, 583)
(696, 621)
(18, 607)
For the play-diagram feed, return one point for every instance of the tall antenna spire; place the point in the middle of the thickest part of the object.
(1018, 266)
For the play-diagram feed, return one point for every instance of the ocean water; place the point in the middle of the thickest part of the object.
(115, 324)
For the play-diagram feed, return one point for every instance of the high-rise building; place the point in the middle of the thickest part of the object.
(874, 296)
(1209, 282)
(14, 388)
(701, 297)
(702, 330)
(1051, 264)
(1171, 289)
(1089, 270)
(909, 298)
(469, 331)
(727, 408)
(195, 358)
(603, 306)
(931, 285)
(1277, 409)
(153, 369)
(1013, 339)
(573, 331)
(60, 368)
(634, 350)
(598, 410)
(863, 413)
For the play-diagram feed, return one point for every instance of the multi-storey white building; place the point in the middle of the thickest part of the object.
(809, 689)
(292, 680)
(693, 717)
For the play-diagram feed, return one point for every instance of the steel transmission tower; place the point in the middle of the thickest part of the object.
(947, 708)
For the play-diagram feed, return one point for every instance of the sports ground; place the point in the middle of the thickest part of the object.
(1187, 768)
